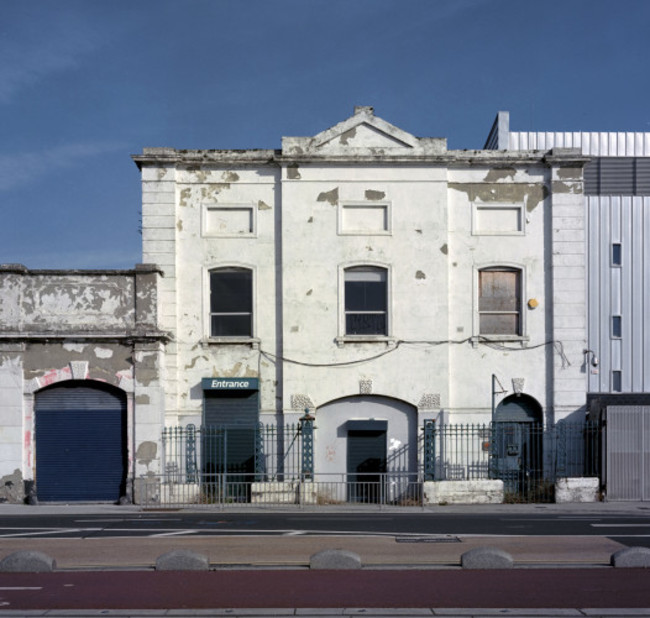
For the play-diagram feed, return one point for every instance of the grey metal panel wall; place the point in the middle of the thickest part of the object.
(619, 290)
(628, 453)
(597, 144)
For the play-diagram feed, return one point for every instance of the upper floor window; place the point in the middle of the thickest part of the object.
(231, 302)
(499, 301)
(366, 301)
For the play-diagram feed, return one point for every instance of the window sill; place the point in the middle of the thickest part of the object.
(521, 339)
(253, 342)
(344, 339)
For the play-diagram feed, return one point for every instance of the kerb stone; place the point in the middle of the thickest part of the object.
(631, 557)
(27, 562)
(486, 558)
(335, 559)
(182, 560)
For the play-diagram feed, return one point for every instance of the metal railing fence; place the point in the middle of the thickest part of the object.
(273, 465)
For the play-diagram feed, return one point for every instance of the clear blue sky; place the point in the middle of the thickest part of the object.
(86, 83)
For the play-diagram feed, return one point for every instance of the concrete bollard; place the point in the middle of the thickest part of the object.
(27, 562)
(486, 558)
(182, 560)
(631, 557)
(335, 559)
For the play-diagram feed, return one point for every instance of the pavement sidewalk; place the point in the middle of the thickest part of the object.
(281, 551)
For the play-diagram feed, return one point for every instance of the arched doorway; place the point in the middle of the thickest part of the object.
(367, 446)
(518, 445)
(81, 442)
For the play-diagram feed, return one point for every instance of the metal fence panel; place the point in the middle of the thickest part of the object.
(273, 465)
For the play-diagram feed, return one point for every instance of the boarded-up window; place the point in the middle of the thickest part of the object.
(366, 301)
(231, 302)
(499, 303)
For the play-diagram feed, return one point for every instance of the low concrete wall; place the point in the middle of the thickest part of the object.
(283, 492)
(579, 489)
(463, 492)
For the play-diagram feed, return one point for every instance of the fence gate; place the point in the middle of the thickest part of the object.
(628, 452)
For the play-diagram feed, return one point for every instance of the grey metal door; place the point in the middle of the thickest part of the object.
(628, 453)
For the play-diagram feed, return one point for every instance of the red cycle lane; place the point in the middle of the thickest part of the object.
(519, 588)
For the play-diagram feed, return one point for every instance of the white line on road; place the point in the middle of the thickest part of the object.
(43, 531)
(175, 533)
(620, 525)
(21, 588)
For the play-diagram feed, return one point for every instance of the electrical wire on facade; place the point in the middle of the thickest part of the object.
(559, 348)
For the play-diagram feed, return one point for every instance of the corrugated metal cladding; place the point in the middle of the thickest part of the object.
(593, 143)
(80, 441)
(619, 231)
(628, 453)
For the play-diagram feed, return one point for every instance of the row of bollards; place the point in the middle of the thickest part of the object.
(186, 560)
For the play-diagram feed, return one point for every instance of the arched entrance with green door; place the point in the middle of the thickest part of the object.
(518, 445)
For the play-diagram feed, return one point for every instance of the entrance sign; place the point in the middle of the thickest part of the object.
(230, 384)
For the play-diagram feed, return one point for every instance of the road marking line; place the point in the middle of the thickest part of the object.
(176, 533)
(21, 588)
(620, 525)
(45, 531)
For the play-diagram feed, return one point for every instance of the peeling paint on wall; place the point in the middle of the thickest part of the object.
(566, 187)
(230, 176)
(420, 275)
(503, 173)
(103, 353)
(374, 195)
(184, 196)
(262, 205)
(532, 194)
(569, 173)
(146, 453)
(347, 136)
(12, 488)
(179, 225)
(331, 197)
(74, 347)
(142, 400)
(292, 172)
(212, 190)
(444, 249)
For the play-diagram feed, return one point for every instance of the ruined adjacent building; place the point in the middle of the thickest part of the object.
(81, 390)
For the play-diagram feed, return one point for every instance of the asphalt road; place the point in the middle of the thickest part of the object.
(628, 529)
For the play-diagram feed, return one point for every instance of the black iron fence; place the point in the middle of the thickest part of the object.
(527, 457)
(273, 465)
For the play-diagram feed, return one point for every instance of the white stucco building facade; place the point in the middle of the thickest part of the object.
(373, 278)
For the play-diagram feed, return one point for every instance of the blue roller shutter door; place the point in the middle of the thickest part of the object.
(80, 435)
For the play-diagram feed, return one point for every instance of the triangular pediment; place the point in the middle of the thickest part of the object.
(361, 134)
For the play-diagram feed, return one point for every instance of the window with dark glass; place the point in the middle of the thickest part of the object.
(499, 303)
(366, 301)
(617, 258)
(617, 326)
(231, 302)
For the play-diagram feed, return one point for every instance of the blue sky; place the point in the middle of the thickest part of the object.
(86, 83)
